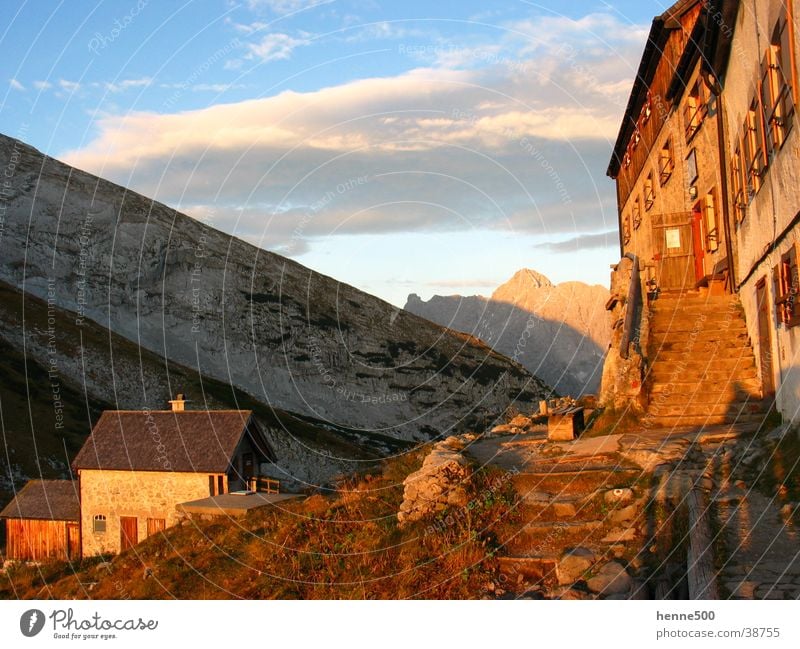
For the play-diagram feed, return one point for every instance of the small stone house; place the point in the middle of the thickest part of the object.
(42, 522)
(138, 465)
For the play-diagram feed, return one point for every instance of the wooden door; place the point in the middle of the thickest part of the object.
(674, 254)
(128, 532)
(73, 541)
(764, 339)
(698, 243)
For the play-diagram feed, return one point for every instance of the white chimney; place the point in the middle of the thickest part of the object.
(178, 403)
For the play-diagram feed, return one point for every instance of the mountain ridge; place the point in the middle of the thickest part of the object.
(560, 332)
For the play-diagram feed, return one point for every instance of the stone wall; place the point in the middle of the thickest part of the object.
(143, 494)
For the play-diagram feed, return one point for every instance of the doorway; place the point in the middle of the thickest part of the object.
(128, 532)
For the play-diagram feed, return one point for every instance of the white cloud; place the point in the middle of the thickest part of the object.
(512, 144)
(283, 7)
(42, 85)
(127, 84)
(275, 47)
(69, 86)
(16, 85)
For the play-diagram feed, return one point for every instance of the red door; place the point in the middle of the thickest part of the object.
(697, 243)
(128, 532)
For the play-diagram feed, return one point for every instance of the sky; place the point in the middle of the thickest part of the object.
(402, 147)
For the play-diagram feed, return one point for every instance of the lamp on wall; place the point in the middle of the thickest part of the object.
(693, 192)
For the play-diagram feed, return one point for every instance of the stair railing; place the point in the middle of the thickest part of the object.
(633, 309)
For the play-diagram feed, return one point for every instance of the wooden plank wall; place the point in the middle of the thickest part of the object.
(35, 540)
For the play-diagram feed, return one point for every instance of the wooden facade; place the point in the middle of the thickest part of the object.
(42, 522)
(38, 540)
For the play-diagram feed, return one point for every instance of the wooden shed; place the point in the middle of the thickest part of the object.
(42, 522)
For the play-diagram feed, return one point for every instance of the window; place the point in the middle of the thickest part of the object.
(637, 136)
(695, 110)
(646, 110)
(755, 163)
(776, 87)
(691, 167)
(666, 162)
(710, 218)
(785, 277)
(99, 523)
(155, 525)
(737, 184)
(649, 191)
(626, 229)
(637, 213)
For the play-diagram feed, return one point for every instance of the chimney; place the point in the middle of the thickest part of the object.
(178, 402)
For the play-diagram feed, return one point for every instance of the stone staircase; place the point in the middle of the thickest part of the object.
(702, 368)
(586, 502)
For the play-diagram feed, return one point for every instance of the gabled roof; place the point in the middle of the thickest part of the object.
(55, 500)
(195, 441)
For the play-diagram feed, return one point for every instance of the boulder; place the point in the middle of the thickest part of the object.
(573, 564)
(611, 579)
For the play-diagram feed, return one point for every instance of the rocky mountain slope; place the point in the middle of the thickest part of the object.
(289, 337)
(559, 332)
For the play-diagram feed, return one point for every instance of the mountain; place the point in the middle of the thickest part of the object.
(188, 304)
(559, 332)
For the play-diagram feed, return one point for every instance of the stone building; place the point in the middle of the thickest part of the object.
(707, 176)
(137, 466)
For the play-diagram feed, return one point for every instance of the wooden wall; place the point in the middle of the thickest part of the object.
(35, 540)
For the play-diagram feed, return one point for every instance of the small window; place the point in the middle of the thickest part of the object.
(666, 162)
(694, 111)
(626, 229)
(787, 283)
(99, 523)
(155, 525)
(637, 213)
(710, 217)
(776, 86)
(649, 192)
(755, 163)
(738, 185)
(646, 110)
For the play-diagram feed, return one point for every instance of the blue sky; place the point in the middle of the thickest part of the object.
(400, 147)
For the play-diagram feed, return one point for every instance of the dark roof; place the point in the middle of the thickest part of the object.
(45, 499)
(710, 38)
(195, 441)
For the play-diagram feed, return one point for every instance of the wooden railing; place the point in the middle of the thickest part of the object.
(633, 308)
(262, 484)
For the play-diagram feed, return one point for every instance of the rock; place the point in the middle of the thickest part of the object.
(623, 515)
(619, 535)
(564, 510)
(573, 564)
(618, 495)
(521, 421)
(437, 485)
(611, 579)
(572, 594)
(505, 429)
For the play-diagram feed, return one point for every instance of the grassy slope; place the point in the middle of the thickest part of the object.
(347, 545)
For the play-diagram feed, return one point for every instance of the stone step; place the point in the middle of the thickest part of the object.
(568, 483)
(691, 336)
(745, 361)
(688, 326)
(699, 348)
(674, 373)
(530, 568)
(681, 394)
(538, 537)
(693, 297)
(666, 358)
(705, 390)
(559, 510)
(656, 422)
(690, 339)
(693, 409)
